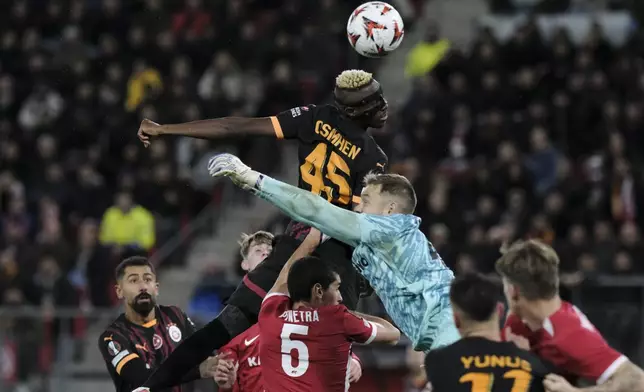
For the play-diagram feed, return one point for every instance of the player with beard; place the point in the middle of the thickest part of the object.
(140, 339)
(335, 153)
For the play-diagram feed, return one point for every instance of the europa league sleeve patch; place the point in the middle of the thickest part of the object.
(113, 348)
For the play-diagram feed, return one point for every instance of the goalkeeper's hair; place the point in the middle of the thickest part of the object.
(397, 186)
(353, 79)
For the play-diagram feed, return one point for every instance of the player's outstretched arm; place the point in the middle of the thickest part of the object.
(300, 205)
(307, 247)
(386, 332)
(211, 129)
(120, 354)
(303, 206)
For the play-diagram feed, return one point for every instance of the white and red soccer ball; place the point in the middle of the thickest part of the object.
(375, 29)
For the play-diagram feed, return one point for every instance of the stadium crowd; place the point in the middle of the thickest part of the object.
(503, 140)
(534, 139)
(78, 191)
(76, 78)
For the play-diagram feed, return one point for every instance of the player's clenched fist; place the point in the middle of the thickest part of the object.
(146, 129)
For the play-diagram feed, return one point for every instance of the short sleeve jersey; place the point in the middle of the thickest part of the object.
(334, 152)
(244, 350)
(308, 349)
(570, 342)
(124, 341)
(478, 364)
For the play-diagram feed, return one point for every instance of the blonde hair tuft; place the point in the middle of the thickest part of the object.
(353, 79)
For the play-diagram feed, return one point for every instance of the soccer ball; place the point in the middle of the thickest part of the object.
(375, 29)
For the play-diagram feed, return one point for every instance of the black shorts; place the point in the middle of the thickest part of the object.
(250, 292)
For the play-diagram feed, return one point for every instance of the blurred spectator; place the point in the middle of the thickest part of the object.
(91, 270)
(427, 54)
(77, 77)
(49, 287)
(127, 224)
(193, 21)
(144, 82)
(20, 352)
(41, 108)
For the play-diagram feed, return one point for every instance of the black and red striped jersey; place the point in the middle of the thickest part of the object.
(132, 351)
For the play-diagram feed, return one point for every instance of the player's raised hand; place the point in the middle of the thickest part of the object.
(146, 129)
(556, 383)
(141, 389)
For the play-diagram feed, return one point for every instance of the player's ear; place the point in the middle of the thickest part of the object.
(514, 292)
(500, 309)
(457, 320)
(317, 292)
(119, 290)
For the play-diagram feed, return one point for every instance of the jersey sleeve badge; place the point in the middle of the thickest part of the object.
(113, 348)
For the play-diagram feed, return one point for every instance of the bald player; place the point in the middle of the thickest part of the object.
(335, 154)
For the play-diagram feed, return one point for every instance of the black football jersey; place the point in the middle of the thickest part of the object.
(124, 341)
(334, 152)
(481, 365)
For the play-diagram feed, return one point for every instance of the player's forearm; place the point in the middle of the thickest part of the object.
(192, 375)
(305, 207)
(628, 378)
(217, 127)
(306, 248)
(373, 319)
(391, 333)
(135, 372)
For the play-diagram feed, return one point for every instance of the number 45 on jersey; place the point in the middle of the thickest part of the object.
(320, 166)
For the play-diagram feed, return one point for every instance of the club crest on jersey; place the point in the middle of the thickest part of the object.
(157, 342)
(174, 332)
(113, 348)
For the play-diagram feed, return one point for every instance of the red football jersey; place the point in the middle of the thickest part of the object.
(308, 349)
(244, 349)
(571, 343)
